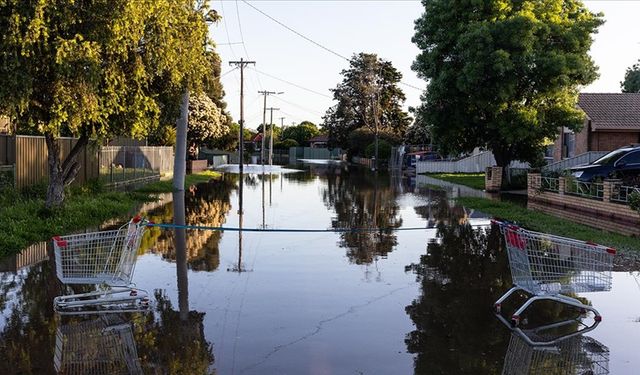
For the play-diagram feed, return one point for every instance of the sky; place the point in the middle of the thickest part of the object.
(304, 72)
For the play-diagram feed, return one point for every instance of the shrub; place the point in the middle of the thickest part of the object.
(384, 150)
(286, 144)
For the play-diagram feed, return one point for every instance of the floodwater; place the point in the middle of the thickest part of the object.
(358, 302)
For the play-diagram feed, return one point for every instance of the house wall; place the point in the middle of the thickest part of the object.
(608, 141)
(582, 138)
(557, 146)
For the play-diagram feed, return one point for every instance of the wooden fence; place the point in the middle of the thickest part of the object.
(28, 155)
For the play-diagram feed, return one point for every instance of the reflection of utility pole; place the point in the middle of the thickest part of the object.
(239, 268)
(242, 63)
(181, 254)
(270, 189)
(264, 119)
(271, 136)
(263, 221)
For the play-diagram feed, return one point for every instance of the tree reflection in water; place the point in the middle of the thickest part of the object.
(464, 270)
(206, 204)
(363, 200)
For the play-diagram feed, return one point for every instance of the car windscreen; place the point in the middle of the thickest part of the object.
(611, 157)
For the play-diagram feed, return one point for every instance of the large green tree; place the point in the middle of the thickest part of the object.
(503, 74)
(301, 132)
(631, 81)
(369, 97)
(207, 123)
(98, 67)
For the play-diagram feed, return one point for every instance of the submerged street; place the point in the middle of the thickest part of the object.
(357, 302)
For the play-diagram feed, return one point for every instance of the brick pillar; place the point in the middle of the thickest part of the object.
(493, 179)
(607, 186)
(533, 183)
(561, 185)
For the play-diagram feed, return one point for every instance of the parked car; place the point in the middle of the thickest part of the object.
(622, 163)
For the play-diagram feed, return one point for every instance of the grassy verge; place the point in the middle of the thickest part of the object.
(546, 223)
(24, 220)
(472, 180)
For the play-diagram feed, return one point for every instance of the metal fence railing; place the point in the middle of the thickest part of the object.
(129, 163)
(550, 184)
(592, 190)
(585, 158)
(621, 193)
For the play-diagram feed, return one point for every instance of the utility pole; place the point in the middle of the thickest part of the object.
(264, 120)
(271, 136)
(242, 64)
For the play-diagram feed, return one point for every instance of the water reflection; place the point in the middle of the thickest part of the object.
(361, 200)
(205, 204)
(577, 355)
(101, 346)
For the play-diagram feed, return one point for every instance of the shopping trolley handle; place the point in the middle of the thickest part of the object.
(505, 223)
(59, 241)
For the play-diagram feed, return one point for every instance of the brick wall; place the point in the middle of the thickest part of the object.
(610, 216)
(493, 179)
(608, 141)
(582, 138)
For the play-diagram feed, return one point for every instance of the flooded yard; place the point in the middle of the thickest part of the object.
(369, 301)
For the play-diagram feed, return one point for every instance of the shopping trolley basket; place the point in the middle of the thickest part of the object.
(574, 355)
(99, 346)
(106, 259)
(548, 267)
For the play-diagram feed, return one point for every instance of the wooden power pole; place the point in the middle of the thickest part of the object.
(271, 136)
(242, 64)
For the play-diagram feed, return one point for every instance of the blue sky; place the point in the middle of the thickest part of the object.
(348, 27)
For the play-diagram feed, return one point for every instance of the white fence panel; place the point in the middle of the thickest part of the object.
(585, 158)
(471, 164)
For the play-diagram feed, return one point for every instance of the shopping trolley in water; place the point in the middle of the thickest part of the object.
(572, 355)
(106, 259)
(548, 267)
(100, 346)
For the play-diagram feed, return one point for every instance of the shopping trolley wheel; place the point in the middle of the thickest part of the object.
(515, 320)
(133, 293)
(597, 318)
(497, 308)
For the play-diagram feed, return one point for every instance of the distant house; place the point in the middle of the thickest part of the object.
(611, 121)
(255, 143)
(319, 141)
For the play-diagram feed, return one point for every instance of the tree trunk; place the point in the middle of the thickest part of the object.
(62, 173)
(180, 163)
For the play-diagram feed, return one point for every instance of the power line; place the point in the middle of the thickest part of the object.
(293, 84)
(311, 40)
(230, 71)
(226, 29)
(295, 32)
(314, 112)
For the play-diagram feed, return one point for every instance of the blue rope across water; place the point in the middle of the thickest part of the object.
(285, 230)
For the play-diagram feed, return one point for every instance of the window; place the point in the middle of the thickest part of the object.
(631, 158)
(611, 157)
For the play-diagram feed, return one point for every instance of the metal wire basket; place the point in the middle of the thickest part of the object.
(550, 267)
(100, 346)
(107, 257)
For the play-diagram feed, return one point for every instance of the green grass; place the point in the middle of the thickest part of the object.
(24, 219)
(546, 223)
(167, 185)
(472, 180)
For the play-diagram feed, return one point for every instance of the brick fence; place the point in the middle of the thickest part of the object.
(601, 213)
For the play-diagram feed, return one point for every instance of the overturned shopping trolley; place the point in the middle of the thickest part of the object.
(106, 259)
(104, 345)
(550, 267)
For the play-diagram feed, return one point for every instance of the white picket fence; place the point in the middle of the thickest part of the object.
(471, 164)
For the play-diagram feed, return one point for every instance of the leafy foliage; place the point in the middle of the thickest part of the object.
(359, 139)
(417, 134)
(384, 150)
(368, 94)
(301, 132)
(503, 74)
(286, 144)
(105, 67)
(207, 123)
(631, 81)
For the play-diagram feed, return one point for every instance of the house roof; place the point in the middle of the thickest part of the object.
(619, 111)
(320, 138)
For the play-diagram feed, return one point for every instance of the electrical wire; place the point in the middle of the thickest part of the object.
(311, 111)
(292, 84)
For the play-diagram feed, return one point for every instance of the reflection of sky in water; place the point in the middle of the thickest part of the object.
(334, 303)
